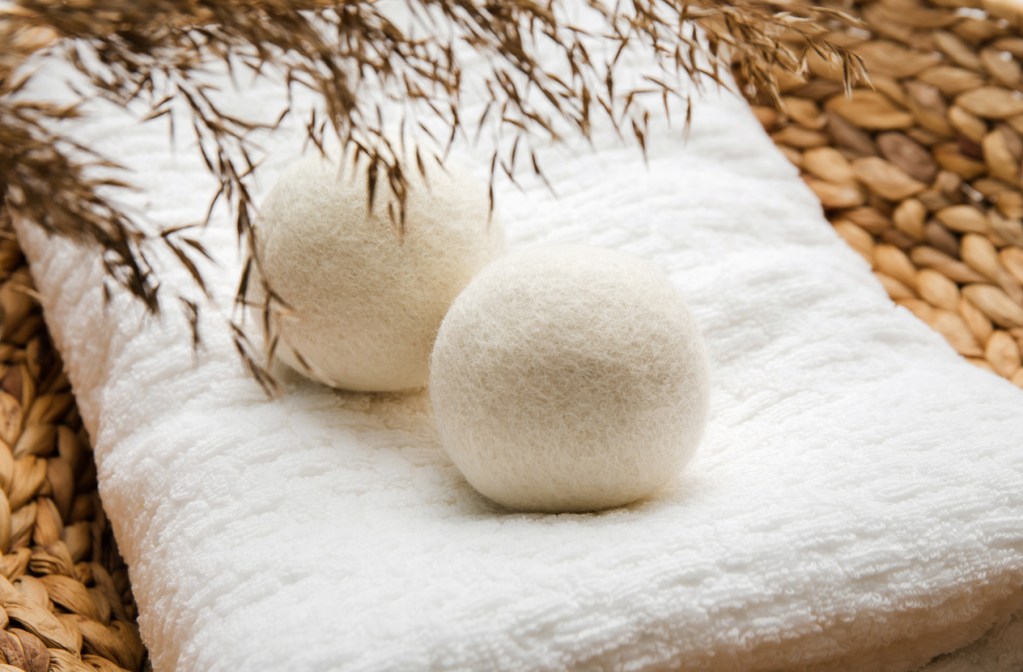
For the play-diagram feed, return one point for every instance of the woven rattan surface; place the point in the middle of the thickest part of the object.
(65, 602)
(919, 171)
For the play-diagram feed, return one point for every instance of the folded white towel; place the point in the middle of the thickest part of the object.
(855, 503)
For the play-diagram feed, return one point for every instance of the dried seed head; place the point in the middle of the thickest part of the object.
(364, 68)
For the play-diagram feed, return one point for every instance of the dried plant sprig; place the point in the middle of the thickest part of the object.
(544, 75)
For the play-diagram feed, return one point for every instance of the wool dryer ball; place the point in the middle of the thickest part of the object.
(569, 379)
(364, 300)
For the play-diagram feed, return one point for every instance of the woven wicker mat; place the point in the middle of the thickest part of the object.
(65, 602)
(920, 174)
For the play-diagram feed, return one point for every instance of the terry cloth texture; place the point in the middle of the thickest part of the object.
(855, 503)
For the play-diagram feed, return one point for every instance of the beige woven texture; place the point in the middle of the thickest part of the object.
(920, 170)
(65, 602)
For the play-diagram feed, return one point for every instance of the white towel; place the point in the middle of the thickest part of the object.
(856, 502)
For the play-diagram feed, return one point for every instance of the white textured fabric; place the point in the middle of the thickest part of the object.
(856, 502)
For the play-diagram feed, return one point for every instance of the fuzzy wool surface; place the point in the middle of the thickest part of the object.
(855, 503)
(569, 378)
(365, 297)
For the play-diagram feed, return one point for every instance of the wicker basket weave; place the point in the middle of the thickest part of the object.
(65, 602)
(920, 173)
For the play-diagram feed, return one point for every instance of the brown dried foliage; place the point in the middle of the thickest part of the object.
(365, 69)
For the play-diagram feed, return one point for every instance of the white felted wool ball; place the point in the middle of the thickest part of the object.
(364, 301)
(569, 379)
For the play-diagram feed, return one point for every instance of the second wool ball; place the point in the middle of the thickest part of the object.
(569, 378)
(365, 300)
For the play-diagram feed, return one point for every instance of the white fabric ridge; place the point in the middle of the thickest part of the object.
(855, 504)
